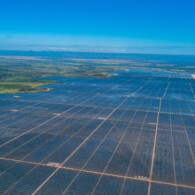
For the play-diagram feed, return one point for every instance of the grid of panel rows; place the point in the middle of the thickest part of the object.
(119, 136)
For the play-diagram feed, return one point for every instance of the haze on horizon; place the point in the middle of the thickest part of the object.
(141, 26)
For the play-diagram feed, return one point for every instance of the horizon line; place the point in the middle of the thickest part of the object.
(99, 52)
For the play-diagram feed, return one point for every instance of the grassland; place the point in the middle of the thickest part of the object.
(17, 72)
(13, 82)
(14, 87)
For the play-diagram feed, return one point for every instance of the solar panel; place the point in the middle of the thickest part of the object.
(123, 135)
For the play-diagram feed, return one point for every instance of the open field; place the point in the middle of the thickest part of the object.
(132, 133)
(14, 87)
(22, 67)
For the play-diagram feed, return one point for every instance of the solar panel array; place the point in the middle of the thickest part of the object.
(129, 134)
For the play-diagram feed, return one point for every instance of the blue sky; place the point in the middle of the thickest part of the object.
(94, 23)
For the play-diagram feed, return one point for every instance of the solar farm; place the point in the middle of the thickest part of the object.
(131, 134)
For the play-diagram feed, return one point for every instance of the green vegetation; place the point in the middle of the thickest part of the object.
(19, 84)
(14, 81)
(17, 73)
(13, 87)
